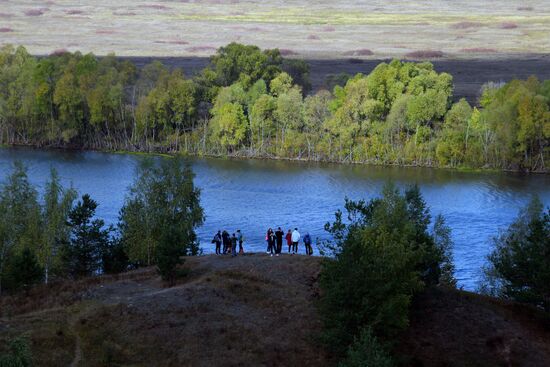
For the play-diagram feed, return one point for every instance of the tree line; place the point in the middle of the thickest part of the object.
(255, 103)
(56, 236)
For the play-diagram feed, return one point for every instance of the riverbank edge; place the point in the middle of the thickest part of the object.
(236, 156)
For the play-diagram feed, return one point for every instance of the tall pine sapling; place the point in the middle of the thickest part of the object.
(82, 254)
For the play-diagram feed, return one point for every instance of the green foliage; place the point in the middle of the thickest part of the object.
(162, 210)
(24, 271)
(249, 101)
(81, 256)
(18, 354)
(114, 259)
(245, 64)
(229, 126)
(58, 202)
(20, 222)
(366, 351)
(519, 266)
(381, 256)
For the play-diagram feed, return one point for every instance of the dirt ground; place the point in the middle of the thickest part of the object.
(252, 310)
(468, 75)
(453, 328)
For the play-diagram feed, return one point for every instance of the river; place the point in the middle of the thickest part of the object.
(253, 195)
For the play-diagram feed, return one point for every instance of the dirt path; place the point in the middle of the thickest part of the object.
(78, 343)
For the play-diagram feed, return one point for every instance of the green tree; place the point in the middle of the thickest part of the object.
(25, 271)
(228, 127)
(114, 259)
(81, 256)
(519, 265)
(262, 122)
(381, 256)
(299, 72)
(444, 245)
(58, 202)
(452, 144)
(20, 225)
(162, 209)
(246, 64)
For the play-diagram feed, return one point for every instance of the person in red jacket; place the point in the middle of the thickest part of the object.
(288, 239)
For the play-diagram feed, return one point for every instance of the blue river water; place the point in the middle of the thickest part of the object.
(253, 195)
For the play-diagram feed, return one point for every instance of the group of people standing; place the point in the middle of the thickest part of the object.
(227, 244)
(275, 241)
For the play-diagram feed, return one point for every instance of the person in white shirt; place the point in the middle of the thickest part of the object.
(295, 240)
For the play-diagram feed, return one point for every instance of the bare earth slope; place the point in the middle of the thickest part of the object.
(252, 310)
(468, 75)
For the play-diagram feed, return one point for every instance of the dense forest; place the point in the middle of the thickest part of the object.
(255, 103)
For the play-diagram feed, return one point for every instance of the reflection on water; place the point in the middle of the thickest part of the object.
(253, 195)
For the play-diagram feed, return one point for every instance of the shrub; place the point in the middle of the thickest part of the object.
(18, 354)
(508, 25)
(25, 270)
(33, 12)
(466, 25)
(424, 54)
(366, 351)
(360, 52)
(519, 265)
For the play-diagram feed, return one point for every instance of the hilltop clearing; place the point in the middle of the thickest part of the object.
(252, 310)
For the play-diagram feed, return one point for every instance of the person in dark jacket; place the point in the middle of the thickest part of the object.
(218, 241)
(225, 241)
(270, 241)
(288, 239)
(279, 238)
(233, 245)
(307, 243)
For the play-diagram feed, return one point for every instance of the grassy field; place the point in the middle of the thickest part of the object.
(253, 310)
(301, 28)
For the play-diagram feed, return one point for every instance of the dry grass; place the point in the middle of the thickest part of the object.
(249, 310)
(344, 25)
(6, 30)
(454, 328)
(253, 310)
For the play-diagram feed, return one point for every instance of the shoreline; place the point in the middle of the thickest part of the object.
(237, 157)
